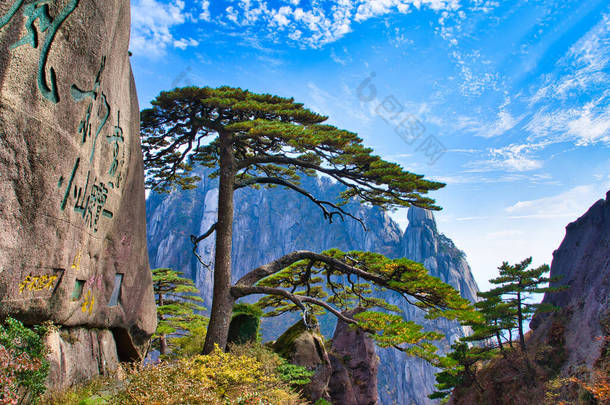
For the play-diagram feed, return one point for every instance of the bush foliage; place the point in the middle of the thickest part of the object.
(23, 364)
(248, 374)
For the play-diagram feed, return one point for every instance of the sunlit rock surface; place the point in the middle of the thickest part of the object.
(582, 263)
(72, 220)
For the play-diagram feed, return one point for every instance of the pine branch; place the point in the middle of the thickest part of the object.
(196, 239)
(239, 291)
(320, 203)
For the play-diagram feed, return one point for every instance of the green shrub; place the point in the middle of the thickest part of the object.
(294, 375)
(23, 364)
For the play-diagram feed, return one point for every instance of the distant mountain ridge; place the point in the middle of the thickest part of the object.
(270, 223)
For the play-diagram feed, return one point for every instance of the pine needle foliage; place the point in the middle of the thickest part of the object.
(459, 369)
(177, 306)
(340, 281)
(496, 318)
(273, 140)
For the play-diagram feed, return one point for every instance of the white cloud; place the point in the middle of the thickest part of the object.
(232, 14)
(568, 204)
(343, 59)
(322, 22)
(185, 43)
(470, 177)
(503, 122)
(151, 24)
(374, 8)
(280, 17)
(205, 11)
(581, 74)
(511, 158)
(584, 66)
(583, 125)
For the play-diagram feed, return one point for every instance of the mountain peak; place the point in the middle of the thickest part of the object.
(421, 217)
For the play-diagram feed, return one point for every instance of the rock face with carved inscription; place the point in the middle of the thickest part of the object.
(72, 205)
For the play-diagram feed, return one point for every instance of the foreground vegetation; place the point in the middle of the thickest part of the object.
(23, 364)
(489, 367)
(249, 374)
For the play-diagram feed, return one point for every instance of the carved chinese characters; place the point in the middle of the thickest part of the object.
(47, 28)
(72, 209)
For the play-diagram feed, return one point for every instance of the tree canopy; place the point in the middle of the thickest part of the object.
(273, 140)
(515, 284)
(336, 281)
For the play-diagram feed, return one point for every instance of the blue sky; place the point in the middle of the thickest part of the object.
(507, 102)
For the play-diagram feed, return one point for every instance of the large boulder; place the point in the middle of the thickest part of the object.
(355, 365)
(72, 204)
(346, 375)
(305, 347)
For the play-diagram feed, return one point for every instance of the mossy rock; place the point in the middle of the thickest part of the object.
(302, 346)
(285, 344)
(245, 324)
(243, 329)
(93, 400)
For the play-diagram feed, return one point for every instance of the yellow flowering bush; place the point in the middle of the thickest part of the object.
(217, 379)
(226, 370)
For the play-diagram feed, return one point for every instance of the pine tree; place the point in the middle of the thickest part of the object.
(516, 284)
(255, 140)
(177, 300)
(458, 369)
(496, 318)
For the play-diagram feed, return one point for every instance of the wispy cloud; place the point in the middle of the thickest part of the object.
(503, 122)
(345, 57)
(581, 74)
(475, 178)
(585, 66)
(568, 204)
(152, 22)
(583, 125)
(511, 158)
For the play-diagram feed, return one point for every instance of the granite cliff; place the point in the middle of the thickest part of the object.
(270, 223)
(567, 359)
(582, 266)
(72, 223)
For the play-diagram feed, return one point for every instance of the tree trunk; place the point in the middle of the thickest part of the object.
(520, 320)
(222, 302)
(162, 345)
(162, 339)
(499, 340)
